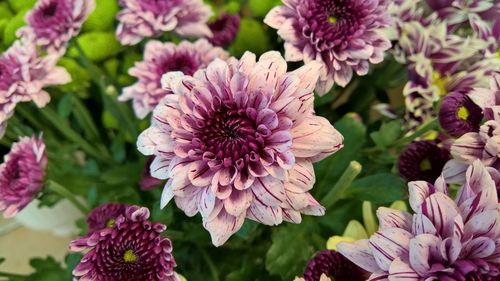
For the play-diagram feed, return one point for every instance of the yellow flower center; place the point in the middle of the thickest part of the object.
(425, 165)
(111, 223)
(440, 82)
(332, 19)
(463, 113)
(129, 256)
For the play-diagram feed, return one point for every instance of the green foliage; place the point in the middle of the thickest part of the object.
(9, 33)
(103, 17)
(251, 37)
(98, 46)
(379, 188)
(289, 251)
(260, 8)
(19, 5)
(388, 133)
(47, 269)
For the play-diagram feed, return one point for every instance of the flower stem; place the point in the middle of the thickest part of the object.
(431, 125)
(61, 190)
(210, 264)
(350, 173)
(68, 132)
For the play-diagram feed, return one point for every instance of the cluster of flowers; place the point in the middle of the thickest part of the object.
(450, 48)
(29, 65)
(237, 138)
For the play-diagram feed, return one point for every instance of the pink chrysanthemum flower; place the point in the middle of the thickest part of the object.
(237, 140)
(104, 216)
(344, 35)
(160, 58)
(443, 240)
(22, 174)
(23, 75)
(132, 249)
(145, 18)
(52, 23)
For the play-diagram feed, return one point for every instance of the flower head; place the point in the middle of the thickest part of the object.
(422, 160)
(22, 175)
(459, 114)
(455, 12)
(224, 29)
(52, 23)
(333, 265)
(443, 240)
(104, 216)
(145, 18)
(238, 140)
(344, 35)
(24, 74)
(160, 58)
(133, 247)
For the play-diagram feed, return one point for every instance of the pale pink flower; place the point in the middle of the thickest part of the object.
(160, 58)
(22, 175)
(145, 18)
(443, 240)
(24, 74)
(52, 23)
(344, 35)
(237, 140)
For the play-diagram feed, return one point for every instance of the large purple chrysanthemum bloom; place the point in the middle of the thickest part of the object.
(104, 216)
(24, 74)
(237, 140)
(132, 248)
(483, 145)
(442, 240)
(160, 58)
(333, 265)
(145, 18)
(224, 29)
(422, 160)
(344, 35)
(52, 23)
(22, 174)
(459, 115)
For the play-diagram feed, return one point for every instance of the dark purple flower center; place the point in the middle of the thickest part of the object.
(459, 114)
(333, 265)
(49, 10)
(331, 23)
(129, 254)
(186, 63)
(230, 135)
(422, 160)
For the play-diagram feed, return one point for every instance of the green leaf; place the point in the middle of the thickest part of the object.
(251, 37)
(246, 229)
(330, 169)
(260, 8)
(9, 33)
(379, 188)
(47, 269)
(289, 251)
(72, 260)
(98, 46)
(19, 5)
(103, 17)
(65, 105)
(388, 133)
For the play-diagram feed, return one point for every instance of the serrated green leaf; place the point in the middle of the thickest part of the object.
(388, 133)
(289, 251)
(47, 269)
